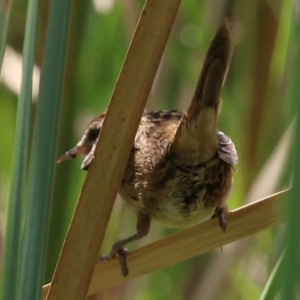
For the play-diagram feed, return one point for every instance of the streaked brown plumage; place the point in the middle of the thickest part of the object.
(180, 168)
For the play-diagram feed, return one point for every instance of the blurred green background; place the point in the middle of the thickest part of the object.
(256, 114)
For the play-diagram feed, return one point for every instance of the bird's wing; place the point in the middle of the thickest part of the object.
(226, 149)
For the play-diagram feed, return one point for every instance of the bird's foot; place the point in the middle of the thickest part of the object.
(117, 251)
(220, 214)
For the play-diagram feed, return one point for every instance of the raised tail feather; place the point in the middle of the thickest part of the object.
(196, 138)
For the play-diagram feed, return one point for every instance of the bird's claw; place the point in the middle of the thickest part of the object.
(220, 214)
(121, 254)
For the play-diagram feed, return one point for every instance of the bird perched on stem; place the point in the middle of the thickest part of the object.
(179, 172)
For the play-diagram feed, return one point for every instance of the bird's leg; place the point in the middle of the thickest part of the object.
(142, 226)
(220, 214)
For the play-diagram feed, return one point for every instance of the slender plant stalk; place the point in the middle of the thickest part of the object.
(20, 159)
(43, 154)
(189, 243)
(79, 254)
(273, 284)
(291, 273)
(5, 8)
(279, 60)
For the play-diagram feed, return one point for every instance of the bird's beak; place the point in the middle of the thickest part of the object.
(70, 154)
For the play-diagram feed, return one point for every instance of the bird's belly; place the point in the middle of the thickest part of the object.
(170, 211)
(184, 200)
(181, 212)
(177, 218)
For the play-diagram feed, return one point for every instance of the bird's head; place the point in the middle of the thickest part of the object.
(86, 145)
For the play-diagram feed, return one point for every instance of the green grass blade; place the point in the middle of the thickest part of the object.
(20, 160)
(43, 153)
(291, 274)
(273, 285)
(5, 7)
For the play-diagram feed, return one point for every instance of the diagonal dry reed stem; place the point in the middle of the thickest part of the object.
(242, 222)
(80, 250)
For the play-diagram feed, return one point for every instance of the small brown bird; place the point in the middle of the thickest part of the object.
(179, 172)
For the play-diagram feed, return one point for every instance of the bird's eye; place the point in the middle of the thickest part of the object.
(94, 133)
